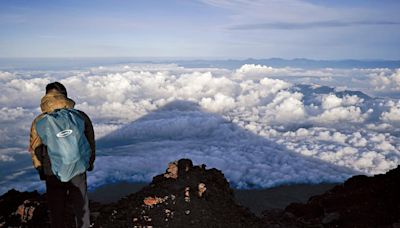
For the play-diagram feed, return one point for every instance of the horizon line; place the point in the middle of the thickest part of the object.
(183, 58)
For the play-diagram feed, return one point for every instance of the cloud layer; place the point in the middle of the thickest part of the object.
(256, 123)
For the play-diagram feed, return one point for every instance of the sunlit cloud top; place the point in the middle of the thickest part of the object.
(204, 28)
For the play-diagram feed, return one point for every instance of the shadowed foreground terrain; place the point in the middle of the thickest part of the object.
(257, 200)
(193, 196)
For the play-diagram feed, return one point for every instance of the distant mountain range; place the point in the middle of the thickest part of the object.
(76, 63)
(298, 62)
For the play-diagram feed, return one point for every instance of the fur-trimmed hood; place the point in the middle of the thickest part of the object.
(55, 100)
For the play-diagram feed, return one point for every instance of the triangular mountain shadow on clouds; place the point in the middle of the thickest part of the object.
(139, 150)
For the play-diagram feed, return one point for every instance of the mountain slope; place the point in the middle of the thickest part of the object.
(360, 202)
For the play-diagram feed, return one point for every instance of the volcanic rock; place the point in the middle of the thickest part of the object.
(360, 202)
(195, 197)
(23, 209)
(29, 209)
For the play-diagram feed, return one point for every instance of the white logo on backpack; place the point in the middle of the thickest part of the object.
(64, 133)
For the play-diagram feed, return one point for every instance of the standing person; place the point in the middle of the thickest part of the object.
(63, 158)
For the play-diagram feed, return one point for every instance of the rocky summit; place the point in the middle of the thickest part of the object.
(185, 196)
(193, 196)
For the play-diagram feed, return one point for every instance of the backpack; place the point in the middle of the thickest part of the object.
(62, 131)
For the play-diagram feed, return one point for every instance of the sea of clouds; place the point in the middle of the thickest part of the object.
(262, 126)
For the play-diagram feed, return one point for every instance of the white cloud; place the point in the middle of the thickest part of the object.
(393, 115)
(287, 107)
(10, 114)
(104, 129)
(385, 146)
(274, 85)
(357, 140)
(219, 103)
(351, 100)
(386, 83)
(4, 75)
(244, 122)
(23, 92)
(331, 101)
(6, 158)
(350, 114)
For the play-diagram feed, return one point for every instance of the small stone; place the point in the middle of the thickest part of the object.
(187, 189)
(172, 171)
(187, 194)
(202, 188)
(187, 199)
(187, 212)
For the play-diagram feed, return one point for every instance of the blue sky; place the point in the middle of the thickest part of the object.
(360, 29)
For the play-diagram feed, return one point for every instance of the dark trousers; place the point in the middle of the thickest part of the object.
(61, 194)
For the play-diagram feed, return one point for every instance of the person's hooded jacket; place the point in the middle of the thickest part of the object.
(50, 102)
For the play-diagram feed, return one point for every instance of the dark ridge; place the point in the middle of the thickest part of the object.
(360, 202)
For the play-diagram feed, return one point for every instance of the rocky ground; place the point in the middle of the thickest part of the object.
(193, 196)
(360, 202)
(185, 196)
(23, 209)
